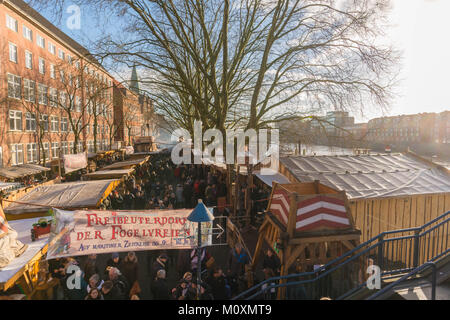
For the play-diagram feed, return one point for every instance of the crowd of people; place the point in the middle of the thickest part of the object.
(172, 274)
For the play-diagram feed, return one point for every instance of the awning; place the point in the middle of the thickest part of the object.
(108, 174)
(22, 170)
(74, 195)
(126, 164)
(270, 178)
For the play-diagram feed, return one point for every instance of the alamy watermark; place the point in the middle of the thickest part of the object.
(258, 150)
(74, 20)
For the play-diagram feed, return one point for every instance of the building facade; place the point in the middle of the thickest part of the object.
(416, 128)
(54, 96)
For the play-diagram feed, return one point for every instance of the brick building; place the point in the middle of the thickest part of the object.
(416, 128)
(54, 96)
(133, 112)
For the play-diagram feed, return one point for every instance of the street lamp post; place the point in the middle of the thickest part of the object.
(200, 214)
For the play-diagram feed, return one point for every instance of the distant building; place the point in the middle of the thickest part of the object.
(333, 123)
(419, 128)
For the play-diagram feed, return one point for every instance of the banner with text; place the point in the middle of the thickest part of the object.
(74, 162)
(76, 233)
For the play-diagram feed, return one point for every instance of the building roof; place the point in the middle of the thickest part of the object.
(371, 176)
(33, 14)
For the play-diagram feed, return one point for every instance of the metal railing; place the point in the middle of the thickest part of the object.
(395, 252)
(406, 277)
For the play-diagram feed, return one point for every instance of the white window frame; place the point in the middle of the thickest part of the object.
(29, 90)
(15, 119)
(40, 41)
(16, 150)
(32, 154)
(55, 149)
(42, 94)
(53, 97)
(54, 124)
(41, 65)
(51, 48)
(12, 23)
(30, 122)
(13, 52)
(28, 60)
(27, 33)
(16, 83)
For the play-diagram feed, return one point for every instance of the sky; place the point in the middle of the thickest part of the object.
(419, 29)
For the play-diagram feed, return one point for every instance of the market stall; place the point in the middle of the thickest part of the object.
(21, 171)
(23, 271)
(74, 195)
(108, 174)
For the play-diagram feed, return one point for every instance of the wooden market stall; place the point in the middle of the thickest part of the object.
(24, 270)
(386, 191)
(108, 174)
(73, 195)
(306, 223)
(21, 171)
(128, 164)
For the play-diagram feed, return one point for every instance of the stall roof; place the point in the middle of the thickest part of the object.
(109, 174)
(5, 186)
(21, 171)
(74, 195)
(18, 265)
(371, 176)
(270, 178)
(126, 164)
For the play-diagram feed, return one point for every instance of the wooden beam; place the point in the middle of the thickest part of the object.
(294, 255)
(324, 239)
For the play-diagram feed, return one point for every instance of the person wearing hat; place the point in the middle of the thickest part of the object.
(159, 264)
(114, 262)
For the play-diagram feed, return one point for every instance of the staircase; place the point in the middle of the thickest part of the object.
(407, 259)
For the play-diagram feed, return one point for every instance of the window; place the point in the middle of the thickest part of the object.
(28, 60)
(53, 97)
(30, 123)
(69, 59)
(52, 71)
(64, 125)
(14, 86)
(43, 122)
(29, 88)
(63, 99)
(32, 152)
(12, 52)
(55, 149)
(41, 66)
(54, 124)
(61, 54)
(77, 65)
(12, 23)
(16, 154)
(64, 148)
(27, 33)
(51, 48)
(15, 120)
(61, 75)
(40, 41)
(46, 150)
(77, 104)
(42, 94)
(71, 145)
(90, 146)
(88, 129)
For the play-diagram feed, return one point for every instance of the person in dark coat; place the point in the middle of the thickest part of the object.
(271, 262)
(130, 268)
(120, 282)
(110, 292)
(236, 268)
(159, 264)
(159, 287)
(218, 285)
(90, 267)
(115, 261)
